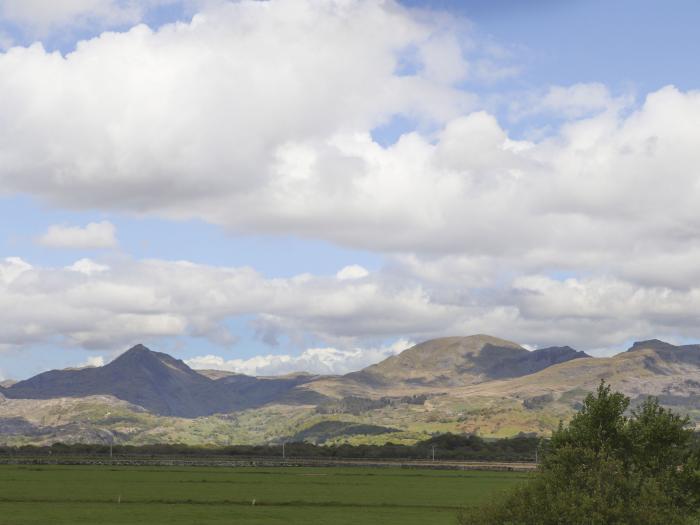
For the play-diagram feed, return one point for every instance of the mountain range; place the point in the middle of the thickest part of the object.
(478, 383)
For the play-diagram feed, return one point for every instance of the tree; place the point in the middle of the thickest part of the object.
(607, 468)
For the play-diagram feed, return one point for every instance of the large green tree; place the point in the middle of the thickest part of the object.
(607, 468)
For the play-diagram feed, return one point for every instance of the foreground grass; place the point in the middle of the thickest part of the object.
(106, 495)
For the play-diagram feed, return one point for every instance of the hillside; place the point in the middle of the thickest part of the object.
(536, 402)
(452, 361)
(157, 382)
(440, 365)
(478, 384)
(647, 368)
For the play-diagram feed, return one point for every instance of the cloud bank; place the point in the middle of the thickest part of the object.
(151, 301)
(188, 122)
(261, 118)
(312, 360)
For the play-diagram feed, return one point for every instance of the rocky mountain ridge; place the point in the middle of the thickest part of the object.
(167, 386)
(477, 384)
(157, 382)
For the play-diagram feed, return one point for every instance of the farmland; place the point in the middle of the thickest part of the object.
(60, 494)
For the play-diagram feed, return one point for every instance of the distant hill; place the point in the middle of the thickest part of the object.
(452, 361)
(647, 368)
(152, 380)
(445, 364)
(476, 384)
(157, 382)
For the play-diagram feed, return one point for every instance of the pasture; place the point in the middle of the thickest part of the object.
(40, 494)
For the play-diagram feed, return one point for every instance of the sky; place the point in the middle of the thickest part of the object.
(284, 185)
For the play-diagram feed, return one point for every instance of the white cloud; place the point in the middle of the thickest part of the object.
(41, 17)
(312, 360)
(305, 164)
(93, 361)
(257, 116)
(87, 266)
(151, 300)
(143, 300)
(354, 271)
(443, 59)
(94, 235)
(568, 102)
(12, 268)
(212, 111)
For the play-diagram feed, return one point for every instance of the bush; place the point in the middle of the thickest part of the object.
(605, 468)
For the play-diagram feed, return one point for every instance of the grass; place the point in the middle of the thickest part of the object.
(310, 496)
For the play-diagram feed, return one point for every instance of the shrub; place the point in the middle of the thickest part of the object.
(606, 468)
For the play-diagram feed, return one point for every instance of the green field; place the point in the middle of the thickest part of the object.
(126, 495)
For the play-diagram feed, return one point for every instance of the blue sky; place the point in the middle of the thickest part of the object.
(620, 42)
(360, 247)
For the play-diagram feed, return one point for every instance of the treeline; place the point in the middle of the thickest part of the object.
(445, 447)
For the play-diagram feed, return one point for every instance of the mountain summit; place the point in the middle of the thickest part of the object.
(651, 344)
(153, 380)
(466, 360)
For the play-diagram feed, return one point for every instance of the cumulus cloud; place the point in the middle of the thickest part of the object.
(354, 271)
(312, 360)
(199, 116)
(279, 141)
(258, 116)
(143, 300)
(94, 235)
(153, 300)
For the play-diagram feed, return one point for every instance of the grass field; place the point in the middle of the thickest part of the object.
(309, 496)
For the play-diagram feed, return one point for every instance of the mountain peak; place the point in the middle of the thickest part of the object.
(138, 354)
(141, 357)
(153, 380)
(138, 349)
(651, 344)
